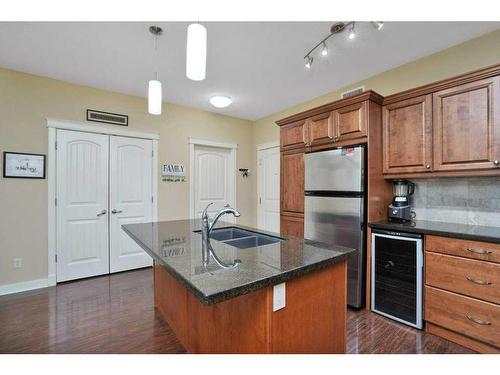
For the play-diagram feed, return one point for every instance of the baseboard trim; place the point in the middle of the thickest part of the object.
(27, 285)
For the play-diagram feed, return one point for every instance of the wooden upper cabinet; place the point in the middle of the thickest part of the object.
(351, 121)
(293, 135)
(407, 135)
(292, 182)
(320, 129)
(466, 126)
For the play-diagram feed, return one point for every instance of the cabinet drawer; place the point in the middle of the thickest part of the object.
(468, 316)
(463, 248)
(473, 278)
(293, 135)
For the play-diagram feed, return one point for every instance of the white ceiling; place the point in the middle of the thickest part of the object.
(259, 64)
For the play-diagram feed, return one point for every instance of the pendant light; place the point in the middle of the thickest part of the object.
(154, 88)
(196, 52)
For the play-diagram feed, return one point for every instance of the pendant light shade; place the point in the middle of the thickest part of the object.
(196, 55)
(154, 97)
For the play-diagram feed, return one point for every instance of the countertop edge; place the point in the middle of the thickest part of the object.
(436, 232)
(244, 289)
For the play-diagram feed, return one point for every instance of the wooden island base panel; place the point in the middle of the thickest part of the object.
(313, 320)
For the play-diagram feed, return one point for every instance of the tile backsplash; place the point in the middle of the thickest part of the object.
(465, 200)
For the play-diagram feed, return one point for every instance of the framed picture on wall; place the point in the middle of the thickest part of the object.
(23, 165)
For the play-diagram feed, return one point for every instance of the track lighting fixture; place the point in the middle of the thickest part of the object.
(324, 50)
(352, 32)
(337, 28)
(309, 61)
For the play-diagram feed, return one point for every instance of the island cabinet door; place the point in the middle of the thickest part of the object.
(467, 126)
(407, 135)
(292, 182)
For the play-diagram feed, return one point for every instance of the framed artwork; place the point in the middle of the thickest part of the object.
(23, 165)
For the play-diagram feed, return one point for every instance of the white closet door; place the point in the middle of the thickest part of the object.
(82, 204)
(130, 197)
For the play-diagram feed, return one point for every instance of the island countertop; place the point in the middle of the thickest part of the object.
(177, 247)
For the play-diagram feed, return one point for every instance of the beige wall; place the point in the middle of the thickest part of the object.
(25, 102)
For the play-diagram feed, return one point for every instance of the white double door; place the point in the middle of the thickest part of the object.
(102, 182)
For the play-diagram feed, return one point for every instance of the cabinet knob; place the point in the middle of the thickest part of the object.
(496, 162)
(428, 166)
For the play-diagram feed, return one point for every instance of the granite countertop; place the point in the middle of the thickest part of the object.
(175, 246)
(438, 228)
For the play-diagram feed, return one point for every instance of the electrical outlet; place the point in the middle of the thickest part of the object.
(18, 263)
(279, 298)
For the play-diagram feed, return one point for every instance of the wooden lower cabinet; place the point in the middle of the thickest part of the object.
(313, 320)
(292, 225)
(470, 317)
(462, 292)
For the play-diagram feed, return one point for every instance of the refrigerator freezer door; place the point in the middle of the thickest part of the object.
(338, 221)
(339, 170)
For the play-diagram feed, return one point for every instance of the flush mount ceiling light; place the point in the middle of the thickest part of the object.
(335, 29)
(220, 101)
(154, 87)
(196, 52)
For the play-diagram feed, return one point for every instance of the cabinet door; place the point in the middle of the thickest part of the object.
(292, 182)
(293, 135)
(292, 226)
(351, 121)
(320, 129)
(407, 135)
(467, 126)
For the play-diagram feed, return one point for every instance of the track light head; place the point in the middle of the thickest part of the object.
(378, 24)
(352, 32)
(324, 50)
(309, 62)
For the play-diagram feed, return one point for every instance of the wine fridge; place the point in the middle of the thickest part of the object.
(396, 276)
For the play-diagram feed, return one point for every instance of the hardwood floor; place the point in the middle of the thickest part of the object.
(115, 314)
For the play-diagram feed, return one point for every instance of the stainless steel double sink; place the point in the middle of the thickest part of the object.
(242, 238)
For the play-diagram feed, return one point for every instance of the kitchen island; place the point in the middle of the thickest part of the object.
(231, 305)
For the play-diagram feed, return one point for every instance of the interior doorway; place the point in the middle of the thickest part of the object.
(268, 187)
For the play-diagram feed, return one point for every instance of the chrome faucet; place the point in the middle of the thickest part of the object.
(206, 229)
(208, 225)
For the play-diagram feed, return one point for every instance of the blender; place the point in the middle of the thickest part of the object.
(399, 209)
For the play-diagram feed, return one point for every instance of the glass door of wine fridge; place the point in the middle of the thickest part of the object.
(396, 276)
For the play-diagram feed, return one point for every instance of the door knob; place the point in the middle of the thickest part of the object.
(115, 211)
(103, 212)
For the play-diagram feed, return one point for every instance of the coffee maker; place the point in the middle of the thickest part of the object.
(399, 209)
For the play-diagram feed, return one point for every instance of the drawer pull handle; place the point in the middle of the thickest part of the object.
(478, 321)
(479, 251)
(476, 281)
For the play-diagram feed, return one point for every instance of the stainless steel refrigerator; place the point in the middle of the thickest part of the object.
(335, 209)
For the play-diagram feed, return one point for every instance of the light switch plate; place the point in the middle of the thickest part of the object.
(279, 296)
